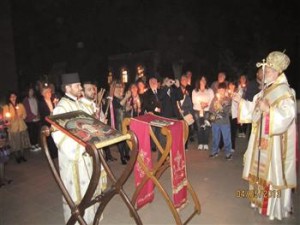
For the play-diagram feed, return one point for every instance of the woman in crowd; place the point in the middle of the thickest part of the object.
(119, 105)
(4, 150)
(186, 106)
(134, 103)
(32, 119)
(142, 88)
(46, 107)
(202, 97)
(14, 112)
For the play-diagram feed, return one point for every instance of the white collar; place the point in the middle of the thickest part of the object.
(71, 96)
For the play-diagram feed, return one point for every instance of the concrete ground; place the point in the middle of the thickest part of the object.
(34, 198)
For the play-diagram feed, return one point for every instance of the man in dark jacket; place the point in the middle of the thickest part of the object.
(171, 93)
(152, 97)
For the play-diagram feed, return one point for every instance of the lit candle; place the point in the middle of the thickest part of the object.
(109, 78)
(7, 115)
(124, 76)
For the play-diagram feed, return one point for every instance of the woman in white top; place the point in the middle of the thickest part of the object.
(201, 98)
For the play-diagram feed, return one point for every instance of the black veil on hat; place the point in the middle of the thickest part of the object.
(69, 78)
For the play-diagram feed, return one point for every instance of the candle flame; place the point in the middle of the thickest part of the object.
(7, 115)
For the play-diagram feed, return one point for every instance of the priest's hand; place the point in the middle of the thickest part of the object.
(264, 105)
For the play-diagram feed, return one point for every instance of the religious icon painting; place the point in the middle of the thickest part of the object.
(84, 128)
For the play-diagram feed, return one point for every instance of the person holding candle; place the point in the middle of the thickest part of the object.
(18, 137)
(220, 108)
(89, 105)
(118, 111)
(4, 151)
(202, 97)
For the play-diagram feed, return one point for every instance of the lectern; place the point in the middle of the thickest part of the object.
(172, 155)
(93, 135)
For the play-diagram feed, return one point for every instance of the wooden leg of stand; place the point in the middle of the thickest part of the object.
(74, 209)
(197, 207)
(117, 184)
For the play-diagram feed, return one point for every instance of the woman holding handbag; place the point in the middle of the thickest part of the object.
(185, 107)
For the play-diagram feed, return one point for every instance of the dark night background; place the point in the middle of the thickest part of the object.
(55, 36)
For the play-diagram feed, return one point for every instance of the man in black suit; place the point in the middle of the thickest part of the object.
(152, 97)
(152, 104)
(162, 102)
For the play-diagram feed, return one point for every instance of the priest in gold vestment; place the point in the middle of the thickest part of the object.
(270, 158)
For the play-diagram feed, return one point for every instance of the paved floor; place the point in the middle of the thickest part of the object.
(34, 198)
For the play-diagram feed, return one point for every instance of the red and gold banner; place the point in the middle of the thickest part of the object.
(178, 165)
(141, 130)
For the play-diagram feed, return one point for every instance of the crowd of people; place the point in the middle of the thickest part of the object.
(172, 98)
(210, 110)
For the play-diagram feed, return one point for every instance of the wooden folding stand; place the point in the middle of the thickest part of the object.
(116, 188)
(159, 167)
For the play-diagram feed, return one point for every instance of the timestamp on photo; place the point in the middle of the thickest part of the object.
(257, 193)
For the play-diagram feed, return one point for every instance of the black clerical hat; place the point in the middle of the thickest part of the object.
(70, 78)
